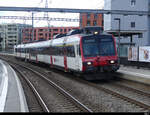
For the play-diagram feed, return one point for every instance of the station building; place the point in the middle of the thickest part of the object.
(134, 29)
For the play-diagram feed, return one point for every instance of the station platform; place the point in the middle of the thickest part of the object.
(141, 75)
(12, 98)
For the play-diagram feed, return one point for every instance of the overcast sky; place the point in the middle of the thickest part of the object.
(80, 4)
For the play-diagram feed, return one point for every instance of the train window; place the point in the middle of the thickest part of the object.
(78, 50)
(70, 51)
(45, 50)
(102, 45)
(38, 50)
(17, 49)
(27, 50)
(106, 45)
(54, 50)
(50, 50)
(60, 51)
(22, 50)
(90, 49)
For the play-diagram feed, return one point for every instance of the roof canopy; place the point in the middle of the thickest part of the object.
(125, 32)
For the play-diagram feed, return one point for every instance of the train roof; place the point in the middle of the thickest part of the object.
(59, 41)
(37, 44)
(34, 45)
(104, 33)
(19, 46)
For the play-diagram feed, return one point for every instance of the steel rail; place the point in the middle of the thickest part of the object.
(133, 101)
(78, 103)
(133, 89)
(40, 100)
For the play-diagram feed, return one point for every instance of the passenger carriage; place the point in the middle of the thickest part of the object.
(88, 54)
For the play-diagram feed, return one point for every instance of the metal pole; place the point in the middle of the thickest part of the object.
(119, 43)
(4, 38)
(118, 39)
(32, 27)
(21, 35)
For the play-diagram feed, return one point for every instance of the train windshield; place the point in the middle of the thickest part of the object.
(98, 45)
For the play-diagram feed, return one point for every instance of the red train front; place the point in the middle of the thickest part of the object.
(99, 54)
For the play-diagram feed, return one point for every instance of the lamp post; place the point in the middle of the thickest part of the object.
(118, 19)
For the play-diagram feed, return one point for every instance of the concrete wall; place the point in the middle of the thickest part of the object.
(140, 5)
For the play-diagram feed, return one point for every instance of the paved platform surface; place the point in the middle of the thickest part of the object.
(132, 73)
(12, 98)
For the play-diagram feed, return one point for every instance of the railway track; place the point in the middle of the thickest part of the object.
(122, 96)
(116, 93)
(41, 106)
(130, 92)
(113, 92)
(75, 105)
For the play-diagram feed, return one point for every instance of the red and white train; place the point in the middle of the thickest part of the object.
(86, 54)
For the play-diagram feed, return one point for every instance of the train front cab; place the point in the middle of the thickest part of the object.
(99, 56)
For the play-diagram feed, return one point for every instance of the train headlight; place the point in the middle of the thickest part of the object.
(96, 32)
(112, 61)
(89, 63)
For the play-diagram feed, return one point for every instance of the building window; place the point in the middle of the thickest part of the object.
(88, 16)
(133, 2)
(55, 30)
(140, 35)
(88, 23)
(95, 16)
(94, 23)
(54, 34)
(40, 30)
(132, 24)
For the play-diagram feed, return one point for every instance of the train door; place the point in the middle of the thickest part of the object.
(25, 53)
(51, 61)
(77, 57)
(65, 59)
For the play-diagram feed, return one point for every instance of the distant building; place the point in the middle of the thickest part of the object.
(91, 19)
(44, 33)
(134, 29)
(11, 35)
